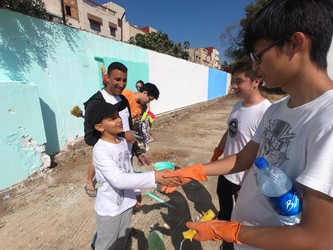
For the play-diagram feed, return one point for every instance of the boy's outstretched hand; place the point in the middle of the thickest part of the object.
(171, 182)
(195, 172)
(216, 230)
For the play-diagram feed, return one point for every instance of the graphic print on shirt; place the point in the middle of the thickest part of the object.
(275, 141)
(233, 127)
(123, 157)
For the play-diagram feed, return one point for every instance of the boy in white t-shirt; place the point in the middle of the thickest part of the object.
(115, 82)
(242, 124)
(113, 170)
(288, 41)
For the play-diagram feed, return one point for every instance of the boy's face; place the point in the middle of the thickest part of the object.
(145, 98)
(110, 125)
(242, 85)
(275, 63)
(117, 81)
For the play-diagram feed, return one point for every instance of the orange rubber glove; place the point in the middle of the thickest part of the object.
(217, 153)
(216, 230)
(195, 172)
(167, 190)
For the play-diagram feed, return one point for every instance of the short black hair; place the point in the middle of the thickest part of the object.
(281, 18)
(117, 65)
(245, 65)
(140, 81)
(151, 89)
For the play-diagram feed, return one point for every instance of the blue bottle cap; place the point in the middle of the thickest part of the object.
(261, 162)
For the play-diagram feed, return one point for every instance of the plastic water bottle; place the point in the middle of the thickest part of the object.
(278, 189)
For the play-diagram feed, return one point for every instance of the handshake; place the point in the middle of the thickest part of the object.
(211, 230)
(171, 179)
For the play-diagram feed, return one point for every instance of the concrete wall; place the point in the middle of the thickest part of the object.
(22, 136)
(47, 68)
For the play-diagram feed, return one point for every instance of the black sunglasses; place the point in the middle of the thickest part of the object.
(256, 56)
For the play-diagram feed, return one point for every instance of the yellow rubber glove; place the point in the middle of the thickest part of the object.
(216, 230)
(217, 153)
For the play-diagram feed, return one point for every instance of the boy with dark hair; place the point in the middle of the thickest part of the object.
(147, 93)
(288, 41)
(116, 83)
(140, 103)
(242, 125)
(116, 195)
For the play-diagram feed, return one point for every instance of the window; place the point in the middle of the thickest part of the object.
(95, 22)
(112, 31)
(68, 10)
(113, 28)
(95, 25)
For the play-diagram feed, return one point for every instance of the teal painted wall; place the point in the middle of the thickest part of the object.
(64, 64)
(22, 132)
(61, 67)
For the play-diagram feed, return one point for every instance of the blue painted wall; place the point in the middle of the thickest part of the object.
(216, 83)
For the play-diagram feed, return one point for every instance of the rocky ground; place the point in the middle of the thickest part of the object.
(51, 210)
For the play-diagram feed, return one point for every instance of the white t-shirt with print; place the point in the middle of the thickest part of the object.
(116, 178)
(242, 125)
(297, 140)
(124, 114)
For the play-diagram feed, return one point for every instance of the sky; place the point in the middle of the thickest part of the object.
(199, 22)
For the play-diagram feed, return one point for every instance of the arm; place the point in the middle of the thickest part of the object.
(91, 135)
(223, 140)
(117, 172)
(113, 174)
(218, 151)
(234, 163)
(148, 107)
(228, 165)
(129, 135)
(314, 231)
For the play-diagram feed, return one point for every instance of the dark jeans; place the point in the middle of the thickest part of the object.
(225, 191)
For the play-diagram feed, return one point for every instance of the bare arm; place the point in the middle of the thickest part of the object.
(234, 163)
(223, 140)
(314, 231)
(148, 107)
(129, 136)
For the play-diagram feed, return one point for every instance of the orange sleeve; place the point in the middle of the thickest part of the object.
(136, 108)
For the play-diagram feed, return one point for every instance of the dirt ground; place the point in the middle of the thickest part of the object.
(51, 210)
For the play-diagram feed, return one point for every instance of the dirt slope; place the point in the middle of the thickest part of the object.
(52, 211)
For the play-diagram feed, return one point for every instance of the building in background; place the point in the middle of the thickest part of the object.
(106, 20)
(134, 30)
(109, 20)
(209, 57)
